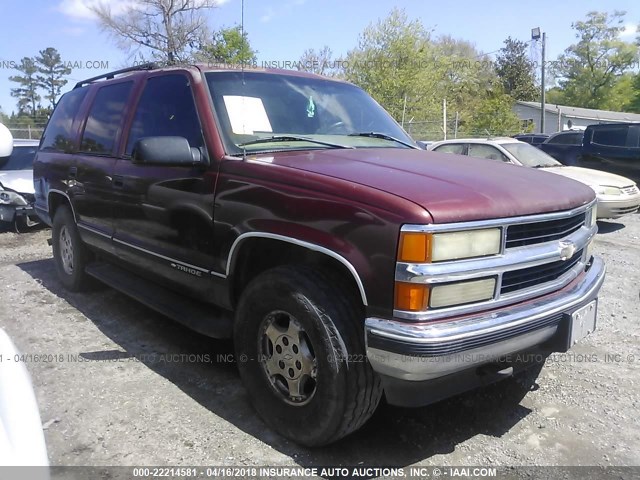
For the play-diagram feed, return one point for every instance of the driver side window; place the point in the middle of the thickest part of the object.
(166, 108)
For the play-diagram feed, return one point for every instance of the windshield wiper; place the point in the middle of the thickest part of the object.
(384, 136)
(291, 138)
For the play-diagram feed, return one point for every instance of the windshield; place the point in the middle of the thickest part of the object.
(252, 106)
(20, 159)
(530, 156)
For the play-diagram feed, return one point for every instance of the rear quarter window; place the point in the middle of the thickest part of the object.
(59, 134)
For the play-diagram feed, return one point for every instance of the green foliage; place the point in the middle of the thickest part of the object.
(634, 101)
(410, 73)
(27, 90)
(228, 46)
(493, 115)
(52, 71)
(516, 71)
(590, 69)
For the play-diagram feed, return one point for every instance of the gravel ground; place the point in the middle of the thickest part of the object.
(123, 390)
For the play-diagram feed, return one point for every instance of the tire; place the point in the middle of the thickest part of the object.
(69, 252)
(297, 318)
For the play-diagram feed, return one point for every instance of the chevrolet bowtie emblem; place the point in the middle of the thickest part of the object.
(567, 249)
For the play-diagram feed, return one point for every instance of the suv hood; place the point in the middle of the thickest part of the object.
(20, 181)
(592, 177)
(452, 188)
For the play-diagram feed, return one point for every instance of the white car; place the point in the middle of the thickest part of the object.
(617, 195)
(16, 184)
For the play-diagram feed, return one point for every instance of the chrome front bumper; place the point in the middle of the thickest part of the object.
(422, 351)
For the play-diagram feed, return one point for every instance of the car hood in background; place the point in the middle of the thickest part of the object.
(20, 181)
(591, 177)
(452, 188)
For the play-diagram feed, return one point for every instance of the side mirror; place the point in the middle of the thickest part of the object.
(165, 151)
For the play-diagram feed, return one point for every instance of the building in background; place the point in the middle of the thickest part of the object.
(563, 117)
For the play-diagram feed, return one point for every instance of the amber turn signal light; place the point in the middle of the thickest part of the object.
(414, 247)
(412, 297)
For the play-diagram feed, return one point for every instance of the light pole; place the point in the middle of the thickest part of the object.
(537, 35)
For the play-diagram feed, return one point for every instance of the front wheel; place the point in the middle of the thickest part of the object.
(300, 348)
(69, 252)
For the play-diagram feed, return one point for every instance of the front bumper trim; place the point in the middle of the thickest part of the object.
(412, 351)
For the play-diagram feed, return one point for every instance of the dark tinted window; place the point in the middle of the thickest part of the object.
(166, 108)
(58, 134)
(567, 139)
(105, 117)
(450, 148)
(21, 158)
(615, 136)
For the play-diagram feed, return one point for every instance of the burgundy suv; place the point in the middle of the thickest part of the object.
(292, 213)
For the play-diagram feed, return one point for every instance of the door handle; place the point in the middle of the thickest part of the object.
(73, 171)
(118, 181)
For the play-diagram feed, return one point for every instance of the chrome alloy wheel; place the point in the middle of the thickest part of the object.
(287, 358)
(66, 250)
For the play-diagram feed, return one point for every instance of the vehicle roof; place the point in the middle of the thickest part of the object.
(489, 141)
(197, 67)
(25, 142)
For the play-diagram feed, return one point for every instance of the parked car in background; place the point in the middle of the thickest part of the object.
(532, 138)
(617, 196)
(613, 148)
(16, 186)
(566, 147)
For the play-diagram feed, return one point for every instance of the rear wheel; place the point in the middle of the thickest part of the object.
(300, 348)
(69, 252)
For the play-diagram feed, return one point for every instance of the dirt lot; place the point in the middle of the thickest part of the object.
(123, 389)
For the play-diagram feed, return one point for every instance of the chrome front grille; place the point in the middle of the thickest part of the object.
(515, 280)
(540, 255)
(631, 190)
(523, 234)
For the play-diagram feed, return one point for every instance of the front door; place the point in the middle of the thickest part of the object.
(164, 213)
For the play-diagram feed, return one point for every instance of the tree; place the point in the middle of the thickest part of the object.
(27, 91)
(51, 70)
(170, 30)
(320, 62)
(386, 64)
(589, 69)
(493, 115)
(228, 46)
(516, 71)
(634, 101)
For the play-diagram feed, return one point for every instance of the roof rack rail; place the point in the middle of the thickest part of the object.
(110, 75)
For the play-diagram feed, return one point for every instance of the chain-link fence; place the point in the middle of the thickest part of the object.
(436, 130)
(27, 132)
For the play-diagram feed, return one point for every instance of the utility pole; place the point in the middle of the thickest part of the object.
(542, 93)
(444, 117)
(536, 34)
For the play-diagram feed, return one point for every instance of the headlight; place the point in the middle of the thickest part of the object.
(604, 190)
(418, 247)
(11, 198)
(462, 292)
(416, 297)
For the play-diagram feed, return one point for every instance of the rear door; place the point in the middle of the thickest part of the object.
(564, 147)
(91, 178)
(164, 213)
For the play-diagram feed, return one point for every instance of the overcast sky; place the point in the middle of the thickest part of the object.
(282, 30)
